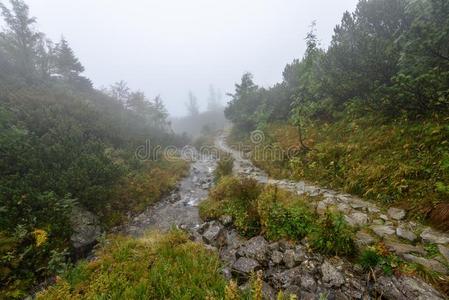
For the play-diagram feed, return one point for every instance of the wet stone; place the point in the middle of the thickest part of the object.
(382, 230)
(331, 275)
(276, 257)
(289, 258)
(245, 265)
(308, 283)
(255, 248)
(431, 264)
(431, 236)
(406, 234)
(396, 213)
(400, 248)
(211, 235)
(364, 239)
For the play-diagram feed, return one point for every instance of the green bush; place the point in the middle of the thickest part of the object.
(283, 215)
(333, 236)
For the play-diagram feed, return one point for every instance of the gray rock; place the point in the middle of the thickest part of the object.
(331, 275)
(404, 233)
(378, 222)
(359, 204)
(382, 230)
(308, 283)
(400, 248)
(307, 296)
(431, 264)
(373, 209)
(289, 258)
(405, 288)
(344, 208)
(86, 228)
(357, 219)
(323, 205)
(444, 251)
(364, 239)
(256, 248)
(212, 234)
(276, 257)
(384, 217)
(435, 237)
(396, 213)
(233, 239)
(274, 246)
(281, 280)
(300, 253)
(245, 265)
(228, 256)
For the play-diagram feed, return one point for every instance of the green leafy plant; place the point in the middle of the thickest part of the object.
(333, 236)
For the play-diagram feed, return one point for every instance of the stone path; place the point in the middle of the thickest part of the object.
(406, 238)
(181, 206)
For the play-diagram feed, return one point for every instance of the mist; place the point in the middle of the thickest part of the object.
(169, 48)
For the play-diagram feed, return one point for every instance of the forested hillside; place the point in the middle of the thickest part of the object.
(64, 144)
(369, 114)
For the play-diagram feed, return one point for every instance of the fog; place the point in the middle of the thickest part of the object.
(170, 47)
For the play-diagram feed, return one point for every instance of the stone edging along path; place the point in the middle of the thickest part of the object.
(409, 240)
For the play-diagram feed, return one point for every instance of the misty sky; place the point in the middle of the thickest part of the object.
(169, 47)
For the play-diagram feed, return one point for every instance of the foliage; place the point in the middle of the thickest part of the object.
(62, 144)
(282, 215)
(155, 266)
(224, 167)
(368, 114)
(333, 236)
(276, 214)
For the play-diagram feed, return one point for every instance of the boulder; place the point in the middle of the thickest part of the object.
(245, 265)
(331, 275)
(383, 230)
(404, 233)
(357, 219)
(401, 248)
(431, 236)
(396, 213)
(308, 283)
(277, 257)
(431, 264)
(404, 288)
(281, 280)
(213, 234)
(364, 239)
(256, 248)
(86, 228)
(289, 258)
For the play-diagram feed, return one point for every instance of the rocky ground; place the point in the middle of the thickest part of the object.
(294, 268)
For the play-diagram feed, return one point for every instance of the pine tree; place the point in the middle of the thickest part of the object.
(66, 63)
